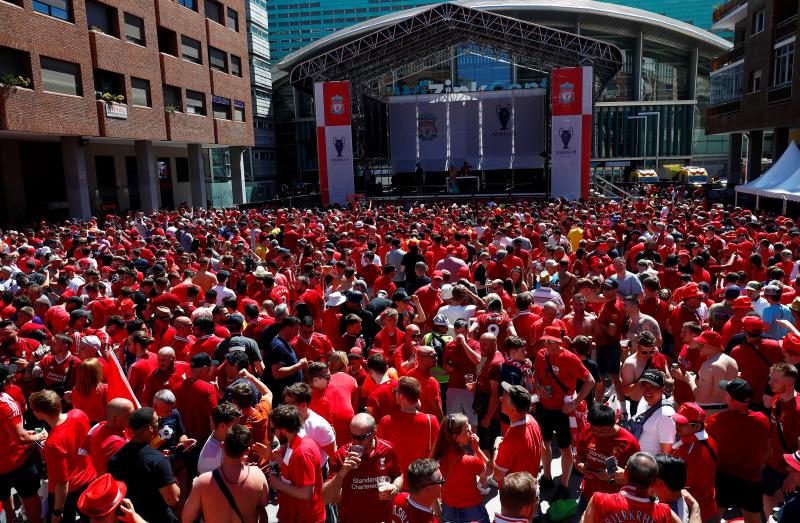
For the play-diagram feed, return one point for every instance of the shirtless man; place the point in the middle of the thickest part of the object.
(717, 366)
(640, 322)
(647, 356)
(247, 484)
(579, 322)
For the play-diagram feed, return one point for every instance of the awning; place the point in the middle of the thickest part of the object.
(781, 181)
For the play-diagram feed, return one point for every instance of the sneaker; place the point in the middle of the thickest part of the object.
(546, 483)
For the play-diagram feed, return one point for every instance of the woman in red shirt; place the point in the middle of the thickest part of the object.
(464, 466)
(89, 392)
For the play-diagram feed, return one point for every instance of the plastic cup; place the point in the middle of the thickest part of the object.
(469, 378)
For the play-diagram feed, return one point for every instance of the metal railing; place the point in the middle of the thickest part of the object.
(608, 189)
(726, 7)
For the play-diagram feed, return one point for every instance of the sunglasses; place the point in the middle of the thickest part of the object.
(362, 437)
(432, 483)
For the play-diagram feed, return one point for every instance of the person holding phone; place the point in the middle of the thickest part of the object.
(600, 451)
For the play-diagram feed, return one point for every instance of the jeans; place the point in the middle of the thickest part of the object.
(465, 515)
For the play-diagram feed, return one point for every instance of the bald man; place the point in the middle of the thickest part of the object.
(169, 374)
(431, 397)
(487, 395)
(107, 437)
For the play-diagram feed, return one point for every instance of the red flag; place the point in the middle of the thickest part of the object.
(118, 386)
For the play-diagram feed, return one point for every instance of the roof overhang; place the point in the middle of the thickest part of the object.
(393, 48)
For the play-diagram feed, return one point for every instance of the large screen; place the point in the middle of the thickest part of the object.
(488, 129)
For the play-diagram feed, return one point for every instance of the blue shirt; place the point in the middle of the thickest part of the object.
(281, 353)
(771, 314)
(629, 285)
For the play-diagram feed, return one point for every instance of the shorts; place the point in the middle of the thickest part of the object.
(738, 493)
(25, 479)
(554, 421)
(771, 480)
(608, 359)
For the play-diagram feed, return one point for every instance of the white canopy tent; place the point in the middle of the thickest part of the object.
(781, 181)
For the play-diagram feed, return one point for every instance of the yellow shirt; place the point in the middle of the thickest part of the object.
(575, 236)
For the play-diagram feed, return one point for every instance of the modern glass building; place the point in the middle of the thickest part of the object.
(651, 113)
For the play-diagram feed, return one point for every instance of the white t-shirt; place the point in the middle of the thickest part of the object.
(210, 457)
(659, 428)
(318, 429)
(456, 312)
(223, 293)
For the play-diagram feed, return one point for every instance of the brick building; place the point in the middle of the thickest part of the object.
(114, 105)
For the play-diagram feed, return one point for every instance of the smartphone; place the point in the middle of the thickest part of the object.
(611, 466)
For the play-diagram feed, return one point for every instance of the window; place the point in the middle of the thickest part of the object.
(190, 49)
(182, 169)
(56, 8)
(214, 11)
(101, 18)
(784, 61)
(221, 107)
(233, 20)
(172, 98)
(238, 111)
(758, 21)
(236, 65)
(755, 81)
(134, 29)
(140, 90)
(217, 59)
(15, 63)
(191, 4)
(167, 41)
(61, 77)
(108, 82)
(195, 102)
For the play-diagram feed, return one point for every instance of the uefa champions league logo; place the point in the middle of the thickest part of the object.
(337, 104)
(338, 144)
(426, 126)
(566, 136)
(504, 115)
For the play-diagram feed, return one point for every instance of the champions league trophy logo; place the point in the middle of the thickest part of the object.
(504, 115)
(566, 93)
(566, 136)
(337, 104)
(338, 143)
(426, 126)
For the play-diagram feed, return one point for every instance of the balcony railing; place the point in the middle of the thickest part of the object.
(779, 93)
(786, 28)
(731, 55)
(726, 7)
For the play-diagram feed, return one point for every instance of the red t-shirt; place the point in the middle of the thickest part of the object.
(195, 401)
(405, 510)
(102, 443)
(207, 344)
(381, 400)
(315, 349)
(521, 448)
(158, 380)
(611, 312)
(62, 453)
(753, 368)
(455, 356)
(495, 323)
(461, 471)
(411, 435)
(569, 369)
(741, 457)
(335, 404)
(94, 405)
(593, 450)
(360, 503)
(389, 341)
(625, 507)
(300, 466)
(55, 373)
(431, 396)
(787, 413)
(14, 453)
(701, 468)
(139, 372)
(524, 325)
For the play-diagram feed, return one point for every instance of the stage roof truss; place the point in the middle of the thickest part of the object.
(400, 49)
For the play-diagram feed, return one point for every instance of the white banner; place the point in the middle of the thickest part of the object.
(339, 150)
(566, 139)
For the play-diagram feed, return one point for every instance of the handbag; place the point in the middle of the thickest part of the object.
(635, 425)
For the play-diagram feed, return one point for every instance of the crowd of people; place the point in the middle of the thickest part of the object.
(403, 363)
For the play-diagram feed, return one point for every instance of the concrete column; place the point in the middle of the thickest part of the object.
(735, 160)
(13, 183)
(75, 176)
(148, 177)
(780, 141)
(754, 154)
(197, 175)
(237, 176)
(123, 196)
(637, 67)
(693, 65)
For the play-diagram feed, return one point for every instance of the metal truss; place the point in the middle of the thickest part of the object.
(405, 46)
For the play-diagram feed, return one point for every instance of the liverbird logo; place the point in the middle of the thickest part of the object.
(426, 126)
(337, 104)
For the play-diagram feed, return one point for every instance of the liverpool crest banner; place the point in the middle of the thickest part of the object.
(571, 131)
(334, 141)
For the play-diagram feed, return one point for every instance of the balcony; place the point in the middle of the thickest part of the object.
(728, 57)
(727, 14)
(120, 120)
(785, 28)
(779, 93)
(727, 85)
(191, 128)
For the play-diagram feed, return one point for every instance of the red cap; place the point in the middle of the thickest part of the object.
(689, 413)
(742, 303)
(553, 331)
(437, 274)
(791, 344)
(102, 496)
(127, 305)
(753, 323)
(683, 253)
(793, 460)
(70, 268)
(356, 351)
(690, 290)
(711, 338)
(550, 338)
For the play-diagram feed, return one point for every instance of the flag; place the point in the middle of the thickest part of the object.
(118, 386)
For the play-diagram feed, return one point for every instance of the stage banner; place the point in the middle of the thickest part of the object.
(403, 133)
(334, 141)
(432, 135)
(464, 125)
(571, 103)
(497, 129)
(529, 128)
